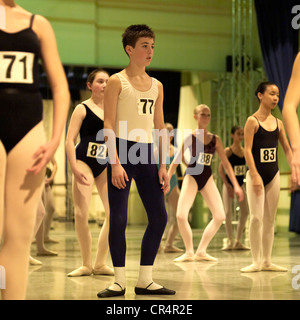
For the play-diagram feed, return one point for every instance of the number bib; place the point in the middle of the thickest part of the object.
(205, 159)
(267, 155)
(145, 106)
(96, 150)
(239, 170)
(16, 67)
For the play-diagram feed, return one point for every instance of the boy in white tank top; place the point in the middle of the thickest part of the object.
(132, 102)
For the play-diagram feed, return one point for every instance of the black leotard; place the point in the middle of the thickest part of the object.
(91, 148)
(20, 100)
(239, 167)
(264, 150)
(202, 159)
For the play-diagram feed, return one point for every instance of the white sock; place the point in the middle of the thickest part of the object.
(120, 278)
(145, 279)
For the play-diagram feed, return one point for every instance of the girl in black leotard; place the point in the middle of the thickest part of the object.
(198, 177)
(85, 162)
(24, 152)
(262, 132)
(235, 155)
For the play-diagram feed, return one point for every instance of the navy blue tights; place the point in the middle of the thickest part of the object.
(149, 188)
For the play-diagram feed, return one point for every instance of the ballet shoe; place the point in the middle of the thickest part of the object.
(184, 258)
(108, 293)
(274, 268)
(160, 291)
(103, 270)
(34, 262)
(172, 249)
(82, 271)
(205, 257)
(228, 247)
(240, 246)
(251, 268)
(47, 253)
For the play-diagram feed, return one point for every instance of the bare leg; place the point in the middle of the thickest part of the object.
(22, 194)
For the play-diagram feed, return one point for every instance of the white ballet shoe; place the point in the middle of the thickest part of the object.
(240, 246)
(34, 262)
(205, 257)
(82, 271)
(274, 268)
(184, 258)
(251, 268)
(103, 270)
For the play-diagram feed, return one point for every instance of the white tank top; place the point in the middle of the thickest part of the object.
(135, 112)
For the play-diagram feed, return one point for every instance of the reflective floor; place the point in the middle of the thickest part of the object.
(191, 280)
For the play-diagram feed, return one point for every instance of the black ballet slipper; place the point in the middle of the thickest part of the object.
(161, 291)
(108, 293)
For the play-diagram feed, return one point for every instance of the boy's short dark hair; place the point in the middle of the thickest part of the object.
(134, 32)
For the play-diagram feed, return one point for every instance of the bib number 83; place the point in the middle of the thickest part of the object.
(267, 155)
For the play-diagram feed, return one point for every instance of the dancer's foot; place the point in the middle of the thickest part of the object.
(46, 252)
(185, 258)
(228, 246)
(273, 267)
(154, 288)
(251, 268)
(103, 270)
(204, 257)
(34, 262)
(114, 290)
(239, 246)
(82, 271)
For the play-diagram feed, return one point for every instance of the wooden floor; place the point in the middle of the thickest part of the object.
(191, 280)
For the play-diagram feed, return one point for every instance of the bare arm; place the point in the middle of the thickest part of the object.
(223, 174)
(72, 134)
(53, 172)
(163, 141)
(290, 118)
(111, 95)
(284, 143)
(59, 88)
(227, 166)
(250, 128)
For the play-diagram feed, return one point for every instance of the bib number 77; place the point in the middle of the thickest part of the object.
(145, 106)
